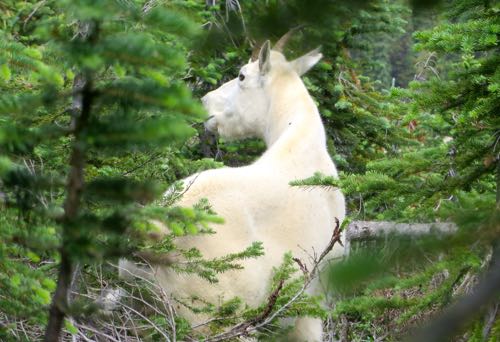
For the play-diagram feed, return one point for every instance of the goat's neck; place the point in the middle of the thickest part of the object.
(293, 117)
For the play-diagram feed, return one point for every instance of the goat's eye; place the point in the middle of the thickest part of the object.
(241, 77)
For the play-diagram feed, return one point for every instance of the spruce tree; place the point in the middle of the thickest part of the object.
(90, 80)
(445, 169)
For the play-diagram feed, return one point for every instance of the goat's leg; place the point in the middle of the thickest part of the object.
(307, 329)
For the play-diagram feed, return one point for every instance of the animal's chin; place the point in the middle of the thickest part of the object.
(222, 130)
(211, 125)
(214, 127)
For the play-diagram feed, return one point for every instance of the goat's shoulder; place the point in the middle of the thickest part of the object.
(215, 182)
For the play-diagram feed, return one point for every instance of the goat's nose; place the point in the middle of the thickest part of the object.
(204, 100)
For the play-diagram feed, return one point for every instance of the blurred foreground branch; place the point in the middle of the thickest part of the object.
(463, 311)
(457, 316)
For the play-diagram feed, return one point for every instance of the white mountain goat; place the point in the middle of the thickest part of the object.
(268, 100)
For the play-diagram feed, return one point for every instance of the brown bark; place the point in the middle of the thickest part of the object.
(81, 108)
(498, 182)
(71, 208)
(347, 55)
(59, 300)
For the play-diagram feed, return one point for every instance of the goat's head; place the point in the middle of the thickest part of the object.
(239, 108)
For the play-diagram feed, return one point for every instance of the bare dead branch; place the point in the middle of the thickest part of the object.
(422, 66)
(95, 331)
(270, 304)
(336, 238)
(141, 165)
(175, 196)
(302, 266)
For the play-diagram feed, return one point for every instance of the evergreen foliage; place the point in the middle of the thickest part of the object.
(441, 164)
(445, 168)
(96, 82)
(452, 123)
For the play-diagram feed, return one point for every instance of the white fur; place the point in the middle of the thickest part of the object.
(256, 201)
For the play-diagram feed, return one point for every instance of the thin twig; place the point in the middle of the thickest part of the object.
(150, 159)
(37, 7)
(95, 331)
(152, 324)
(490, 321)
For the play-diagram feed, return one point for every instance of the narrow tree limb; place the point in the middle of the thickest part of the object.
(490, 318)
(271, 301)
(37, 7)
(362, 230)
(244, 328)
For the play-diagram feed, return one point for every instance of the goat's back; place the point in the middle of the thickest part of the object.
(257, 204)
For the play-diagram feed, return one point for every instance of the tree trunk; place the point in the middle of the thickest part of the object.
(81, 111)
(81, 107)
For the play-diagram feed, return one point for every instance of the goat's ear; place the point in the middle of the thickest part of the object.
(302, 64)
(265, 58)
